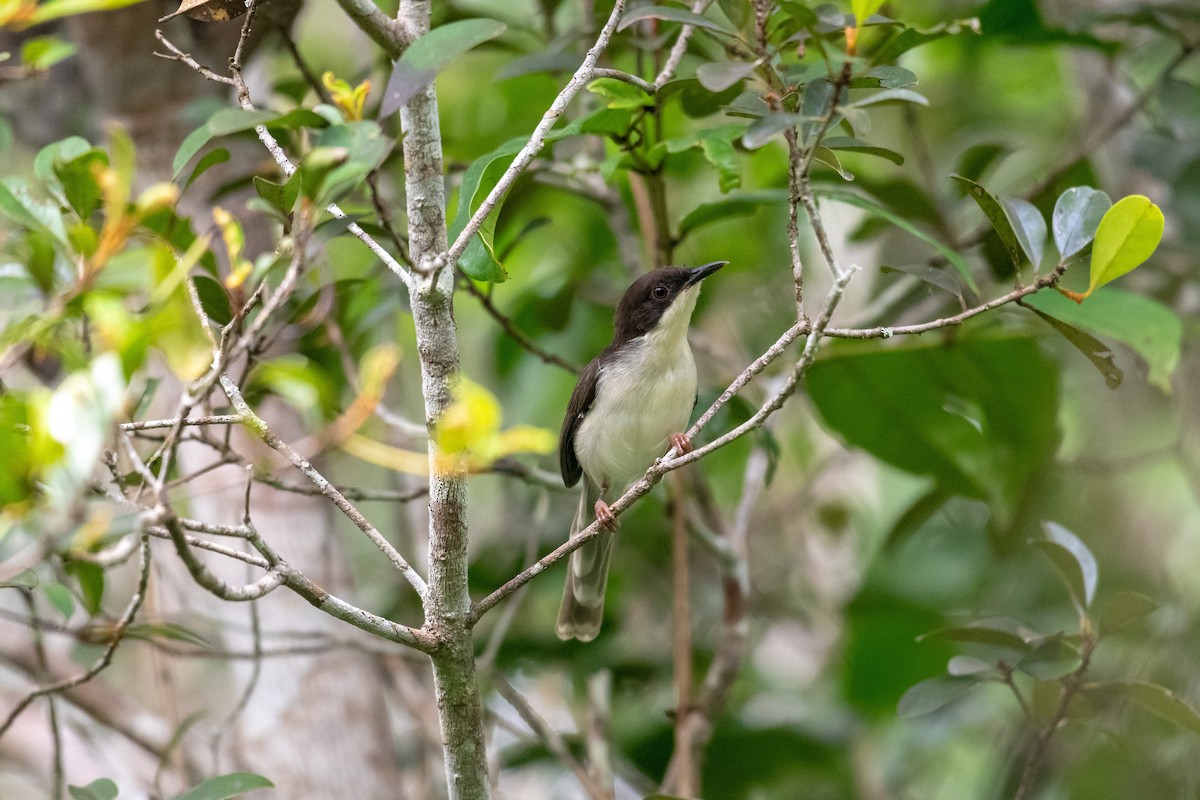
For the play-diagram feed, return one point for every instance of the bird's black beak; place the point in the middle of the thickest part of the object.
(698, 274)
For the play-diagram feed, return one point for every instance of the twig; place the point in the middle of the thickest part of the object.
(512, 330)
(549, 737)
(118, 633)
(285, 164)
(349, 492)
(620, 75)
(260, 429)
(679, 48)
(655, 473)
(538, 138)
(686, 777)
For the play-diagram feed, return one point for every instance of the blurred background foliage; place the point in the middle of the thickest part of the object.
(907, 480)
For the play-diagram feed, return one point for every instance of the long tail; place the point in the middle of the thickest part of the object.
(582, 607)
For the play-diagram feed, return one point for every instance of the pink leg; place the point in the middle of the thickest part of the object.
(605, 517)
(681, 443)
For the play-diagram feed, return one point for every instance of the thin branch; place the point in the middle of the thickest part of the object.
(117, 634)
(620, 75)
(538, 138)
(260, 429)
(679, 48)
(655, 473)
(285, 164)
(549, 737)
(349, 492)
(512, 330)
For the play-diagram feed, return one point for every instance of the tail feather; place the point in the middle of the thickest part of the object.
(582, 608)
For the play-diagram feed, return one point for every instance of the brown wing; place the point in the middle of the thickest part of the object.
(581, 400)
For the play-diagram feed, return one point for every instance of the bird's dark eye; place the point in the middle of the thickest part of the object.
(660, 292)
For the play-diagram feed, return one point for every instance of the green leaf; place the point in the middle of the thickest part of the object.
(430, 54)
(214, 299)
(56, 9)
(1154, 331)
(734, 205)
(222, 123)
(763, 129)
(1028, 225)
(717, 146)
(1096, 351)
(43, 52)
(863, 9)
(995, 633)
(890, 96)
(620, 94)
(968, 665)
(166, 630)
(209, 160)
(996, 215)
(885, 77)
(1073, 560)
(1125, 609)
(365, 148)
(25, 579)
(852, 145)
(102, 789)
(19, 205)
(91, 584)
(1050, 659)
(226, 786)
(280, 195)
(973, 415)
(78, 178)
(1156, 699)
(670, 14)
(60, 597)
(717, 76)
(934, 693)
(850, 198)
(1077, 214)
(908, 38)
(1128, 234)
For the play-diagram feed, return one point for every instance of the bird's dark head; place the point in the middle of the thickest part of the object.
(664, 297)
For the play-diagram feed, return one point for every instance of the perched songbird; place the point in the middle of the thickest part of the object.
(631, 401)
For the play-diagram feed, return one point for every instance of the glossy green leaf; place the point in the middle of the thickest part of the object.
(91, 584)
(1029, 227)
(102, 789)
(670, 14)
(973, 415)
(717, 76)
(907, 38)
(930, 695)
(1124, 610)
(885, 77)
(955, 260)
(1151, 329)
(764, 129)
(430, 54)
(890, 96)
(863, 9)
(223, 123)
(995, 633)
(851, 145)
(1153, 698)
(280, 195)
(19, 205)
(214, 299)
(224, 787)
(1096, 351)
(25, 579)
(1073, 560)
(734, 205)
(1077, 214)
(1049, 659)
(996, 215)
(218, 155)
(961, 666)
(620, 94)
(1128, 234)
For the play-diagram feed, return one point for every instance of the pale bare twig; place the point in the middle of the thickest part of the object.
(679, 48)
(537, 139)
(117, 633)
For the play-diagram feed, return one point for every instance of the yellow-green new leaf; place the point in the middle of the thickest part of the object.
(1128, 234)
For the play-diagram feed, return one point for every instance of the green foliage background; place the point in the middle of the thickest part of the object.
(908, 478)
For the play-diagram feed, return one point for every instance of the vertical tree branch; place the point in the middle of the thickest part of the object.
(460, 712)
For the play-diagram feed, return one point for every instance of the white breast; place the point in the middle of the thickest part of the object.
(642, 397)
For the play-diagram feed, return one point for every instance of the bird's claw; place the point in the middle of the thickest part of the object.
(605, 516)
(681, 443)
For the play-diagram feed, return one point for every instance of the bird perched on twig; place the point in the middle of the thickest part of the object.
(633, 399)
